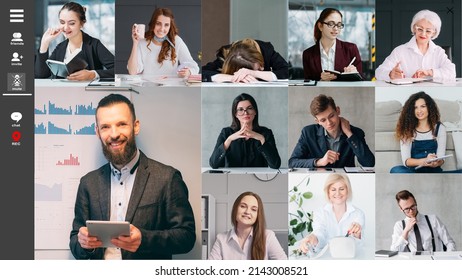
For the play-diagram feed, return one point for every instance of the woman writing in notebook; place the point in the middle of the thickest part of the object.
(422, 136)
(419, 57)
(78, 43)
(337, 218)
(330, 53)
(248, 239)
(160, 51)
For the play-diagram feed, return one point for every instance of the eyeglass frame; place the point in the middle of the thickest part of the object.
(339, 25)
(246, 110)
(428, 32)
(413, 208)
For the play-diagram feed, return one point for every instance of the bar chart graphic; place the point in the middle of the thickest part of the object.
(71, 161)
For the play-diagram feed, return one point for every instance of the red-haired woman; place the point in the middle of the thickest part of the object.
(161, 51)
(248, 239)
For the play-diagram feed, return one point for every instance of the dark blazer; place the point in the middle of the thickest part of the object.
(158, 207)
(98, 57)
(344, 53)
(246, 153)
(273, 62)
(313, 145)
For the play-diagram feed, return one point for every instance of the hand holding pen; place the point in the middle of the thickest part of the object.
(354, 230)
(184, 72)
(396, 72)
(351, 67)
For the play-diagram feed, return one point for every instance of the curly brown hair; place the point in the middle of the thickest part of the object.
(166, 47)
(407, 122)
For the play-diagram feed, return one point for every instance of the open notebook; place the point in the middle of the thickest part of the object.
(64, 69)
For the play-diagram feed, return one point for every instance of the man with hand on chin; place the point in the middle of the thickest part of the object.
(332, 142)
(419, 232)
(131, 187)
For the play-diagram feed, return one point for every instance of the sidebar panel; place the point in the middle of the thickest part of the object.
(17, 130)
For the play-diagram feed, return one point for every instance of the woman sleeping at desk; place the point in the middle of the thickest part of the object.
(246, 61)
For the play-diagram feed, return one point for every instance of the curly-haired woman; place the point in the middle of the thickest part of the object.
(421, 134)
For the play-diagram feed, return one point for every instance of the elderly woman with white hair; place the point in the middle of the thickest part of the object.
(338, 217)
(419, 57)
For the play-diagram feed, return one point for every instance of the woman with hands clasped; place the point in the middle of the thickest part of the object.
(419, 57)
(330, 53)
(422, 136)
(72, 19)
(248, 239)
(245, 143)
(159, 50)
(337, 218)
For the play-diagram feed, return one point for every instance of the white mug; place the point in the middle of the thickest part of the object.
(140, 29)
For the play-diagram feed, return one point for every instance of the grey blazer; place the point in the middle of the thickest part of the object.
(158, 207)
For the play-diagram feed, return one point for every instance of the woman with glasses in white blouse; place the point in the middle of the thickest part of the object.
(419, 57)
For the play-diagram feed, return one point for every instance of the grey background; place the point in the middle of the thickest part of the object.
(225, 188)
(187, 15)
(225, 21)
(357, 105)
(216, 114)
(435, 194)
(394, 19)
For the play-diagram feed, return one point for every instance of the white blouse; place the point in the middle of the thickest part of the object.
(147, 59)
(411, 60)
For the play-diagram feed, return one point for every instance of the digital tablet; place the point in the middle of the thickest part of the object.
(106, 230)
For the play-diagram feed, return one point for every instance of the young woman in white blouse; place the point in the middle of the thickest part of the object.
(248, 239)
(419, 57)
(161, 51)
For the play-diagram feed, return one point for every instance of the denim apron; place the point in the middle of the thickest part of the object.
(421, 149)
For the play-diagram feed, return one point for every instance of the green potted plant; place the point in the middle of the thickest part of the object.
(300, 221)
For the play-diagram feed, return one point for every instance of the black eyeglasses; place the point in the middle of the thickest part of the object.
(413, 208)
(242, 111)
(331, 24)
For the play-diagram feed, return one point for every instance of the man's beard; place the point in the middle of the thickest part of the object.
(123, 157)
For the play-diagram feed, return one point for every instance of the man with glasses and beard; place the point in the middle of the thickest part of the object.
(418, 232)
(131, 187)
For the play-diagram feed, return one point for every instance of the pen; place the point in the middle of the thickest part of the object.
(353, 60)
